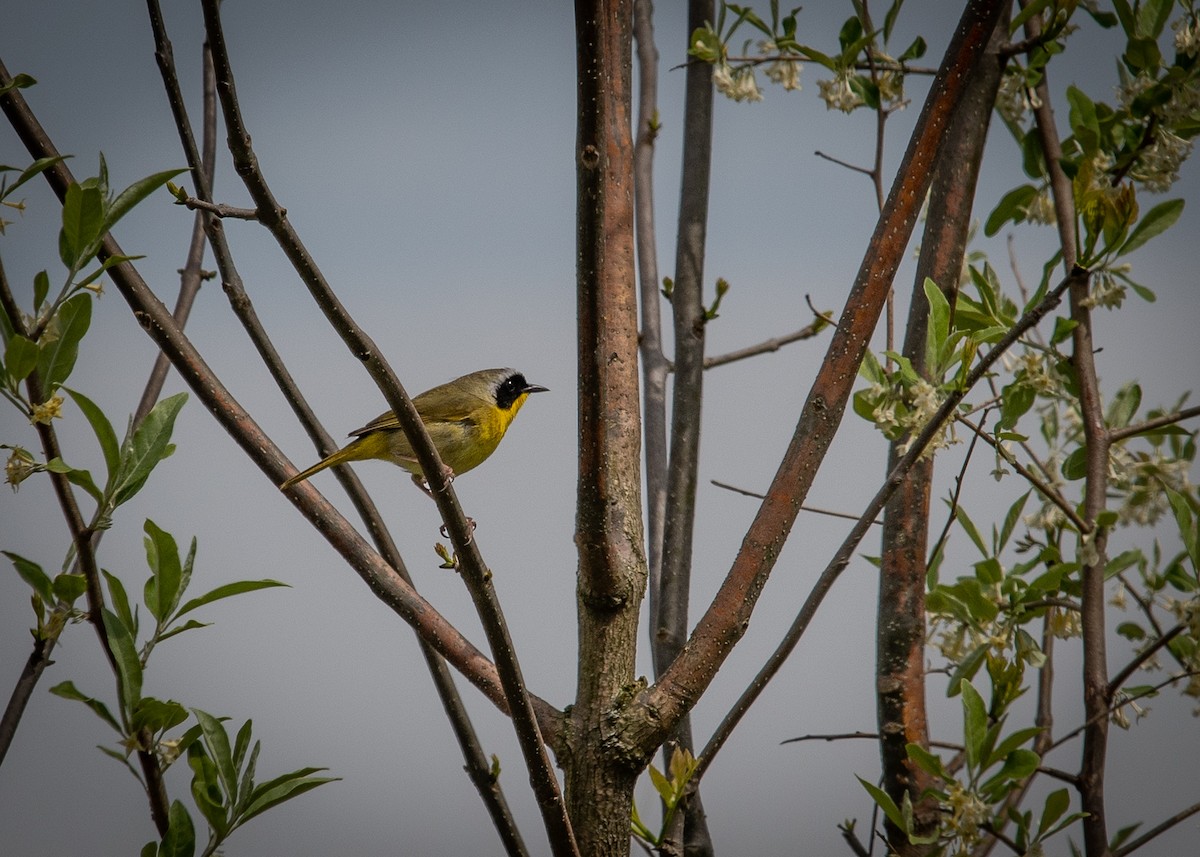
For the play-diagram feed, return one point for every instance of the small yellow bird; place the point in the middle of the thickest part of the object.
(466, 418)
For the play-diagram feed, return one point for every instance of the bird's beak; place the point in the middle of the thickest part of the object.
(535, 388)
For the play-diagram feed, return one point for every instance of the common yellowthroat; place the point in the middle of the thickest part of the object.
(466, 418)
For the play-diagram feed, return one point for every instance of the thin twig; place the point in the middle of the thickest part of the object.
(220, 209)
(953, 515)
(853, 167)
(1146, 654)
(766, 346)
(804, 508)
(1157, 830)
(1117, 435)
(1029, 476)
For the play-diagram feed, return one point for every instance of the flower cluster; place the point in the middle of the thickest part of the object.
(967, 814)
(783, 71)
(738, 83)
(838, 94)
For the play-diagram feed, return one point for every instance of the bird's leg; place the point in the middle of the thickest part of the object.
(448, 473)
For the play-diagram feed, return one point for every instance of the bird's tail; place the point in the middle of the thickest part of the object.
(350, 453)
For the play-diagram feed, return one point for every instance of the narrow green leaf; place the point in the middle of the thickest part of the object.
(206, 788)
(189, 625)
(938, 328)
(971, 530)
(1189, 526)
(110, 262)
(162, 587)
(929, 762)
(57, 354)
(283, 789)
(102, 428)
(1011, 519)
(974, 724)
(150, 444)
(180, 840)
(134, 194)
(128, 666)
(20, 358)
(246, 790)
(120, 602)
(67, 690)
(226, 590)
(216, 740)
(966, 669)
(33, 574)
(32, 171)
(885, 802)
(1156, 221)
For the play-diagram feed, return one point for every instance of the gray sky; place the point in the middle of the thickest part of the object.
(424, 153)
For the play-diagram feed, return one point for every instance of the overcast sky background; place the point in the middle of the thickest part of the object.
(425, 154)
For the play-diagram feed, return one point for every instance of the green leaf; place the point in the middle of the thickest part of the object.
(68, 587)
(1189, 527)
(157, 715)
(1018, 398)
(103, 430)
(975, 725)
(282, 789)
(1018, 765)
(1012, 207)
(20, 358)
(57, 354)
(110, 262)
(120, 602)
(1083, 119)
(41, 288)
(33, 170)
(134, 194)
(216, 740)
(1011, 519)
(180, 839)
(971, 530)
(929, 762)
(162, 587)
(1074, 466)
(1062, 329)
(938, 328)
(1057, 802)
(150, 444)
(1156, 221)
(226, 590)
(82, 217)
(206, 789)
(661, 784)
(1124, 406)
(128, 666)
(914, 51)
(33, 574)
(885, 802)
(189, 625)
(67, 690)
